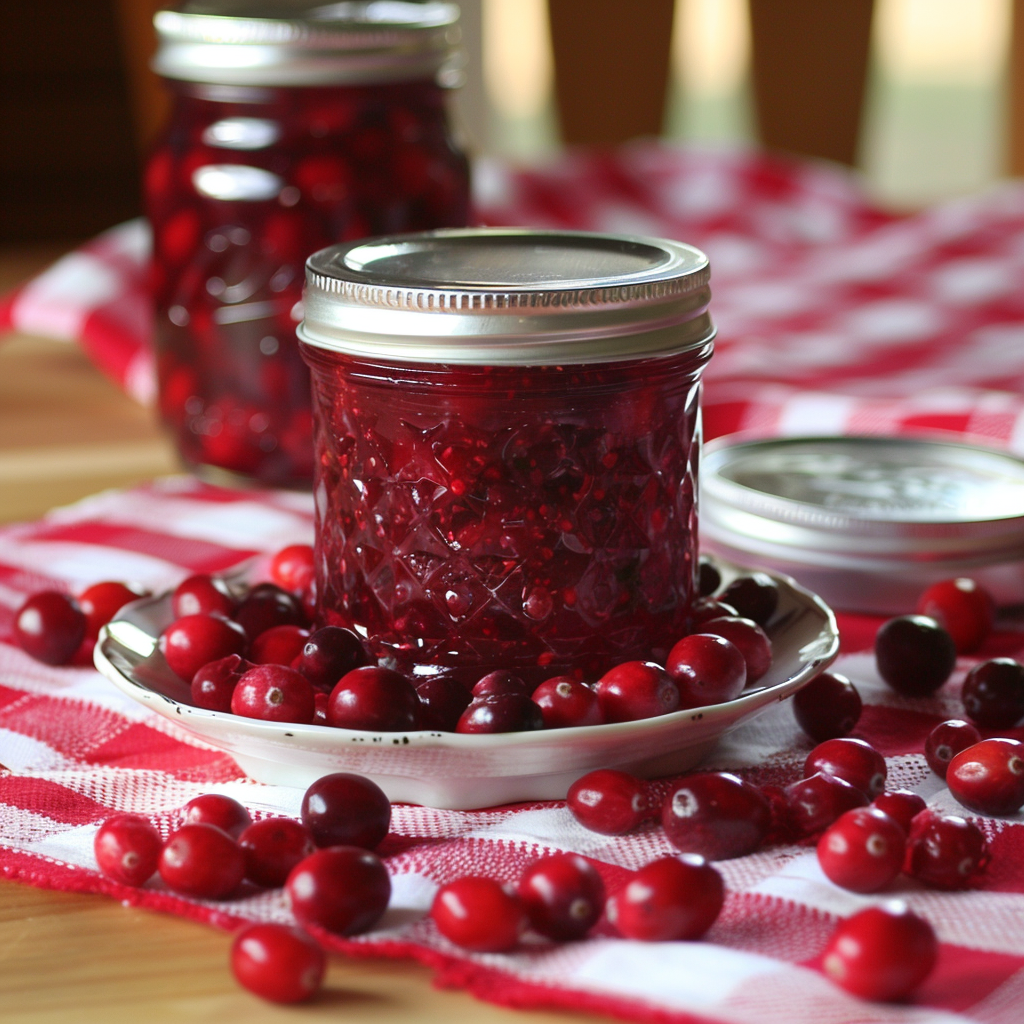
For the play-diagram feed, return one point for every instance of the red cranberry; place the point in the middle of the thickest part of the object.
(442, 701)
(266, 606)
(862, 850)
(717, 815)
(709, 579)
(193, 641)
(329, 654)
(127, 849)
(749, 637)
(609, 801)
(670, 899)
(634, 690)
(963, 608)
(827, 707)
(707, 609)
(344, 889)
(50, 627)
(914, 655)
(478, 914)
(213, 684)
(854, 761)
(945, 851)
(901, 805)
(993, 693)
(222, 811)
(882, 952)
(989, 777)
(707, 669)
(372, 698)
(945, 741)
(202, 595)
(501, 712)
(292, 567)
(272, 847)
(277, 963)
(203, 861)
(754, 597)
(102, 601)
(275, 694)
(320, 702)
(563, 896)
(565, 703)
(500, 682)
(279, 645)
(346, 810)
(812, 804)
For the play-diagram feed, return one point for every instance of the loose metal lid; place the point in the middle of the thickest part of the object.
(868, 522)
(296, 42)
(511, 296)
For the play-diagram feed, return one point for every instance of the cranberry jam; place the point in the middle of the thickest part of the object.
(507, 438)
(293, 126)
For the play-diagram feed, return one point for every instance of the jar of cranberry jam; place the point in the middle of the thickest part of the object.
(507, 439)
(294, 126)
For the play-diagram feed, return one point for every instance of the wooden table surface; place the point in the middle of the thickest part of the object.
(66, 432)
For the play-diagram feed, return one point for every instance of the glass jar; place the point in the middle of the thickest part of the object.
(293, 126)
(507, 440)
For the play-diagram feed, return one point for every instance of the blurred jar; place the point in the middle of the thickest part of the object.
(293, 126)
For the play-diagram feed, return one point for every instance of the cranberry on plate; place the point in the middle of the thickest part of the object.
(279, 645)
(193, 641)
(292, 567)
(717, 815)
(102, 601)
(375, 699)
(707, 669)
(277, 963)
(609, 801)
(275, 694)
(754, 596)
(329, 653)
(344, 889)
(202, 594)
(753, 642)
(565, 703)
(635, 690)
(479, 914)
(501, 712)
(442, 701)
(214, 683)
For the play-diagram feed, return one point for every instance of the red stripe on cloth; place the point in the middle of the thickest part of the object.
(964, 977)
(141, 747)
(71, 728)
(895, 731)
(1006, 844)
(50, 799)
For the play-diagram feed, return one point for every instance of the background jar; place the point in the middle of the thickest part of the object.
(507, 443)
(287, 133)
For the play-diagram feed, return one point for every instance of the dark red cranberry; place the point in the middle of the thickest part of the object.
(221, 811)
(828, 707)
(945, 741)
(914, 655)
(127, 849)
(852, 760)
(344, 889)
(50, 627)
(945, 851)
(901, 805)
(500, 682)
(882, 952)
(993, 693)
(373, 698)
(203, 861)
(274, 693)
(266, 606)
(272, 847)
(707, 669)
(102, 601)
(563, 896)
(717, 815)
(501, 712)
(478, 914)
(635, 690)
(671, 899)
(292, 567)
(202, 595)
(989, 777)
(330, 653)
(707, 609)
(709, 579)
(346, 810)
(193, 641)
(566, 703)
(812, 804)
(320, 702)
(609, 801)
(279, 645)
(963, 608)
(213, 684)
(749, 637)
(442, 701)
(862, 850)
(277, 963)
(754, 597)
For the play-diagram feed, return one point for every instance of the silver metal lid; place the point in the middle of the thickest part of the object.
(508, 296)
(297, 42)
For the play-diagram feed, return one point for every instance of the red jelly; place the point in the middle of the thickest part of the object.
(507, 440)
(287, 134)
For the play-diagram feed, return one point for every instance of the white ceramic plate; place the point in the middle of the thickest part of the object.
(466, 771)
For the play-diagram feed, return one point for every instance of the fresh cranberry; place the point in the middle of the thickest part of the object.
(989, 777)
(563, 896)
(127, 849)
(670, 899)
(827, 707)
(709, 579)
(812, 804)
(215, 809)
(373, 698)
(275, 694)
(193, 641)
(266, 606)
(478, 914)
(707, 669)
(277, 963)
(344, 889)
(963, 608)
(501, 712)
(203, 861)
(854, 761)
(993, 693)
(901, 805)
(50, 627)
(717, 815)
(566, 702)
(609, 801)
(202, 595)
(635, 690)
(862, 850)
(329, 653)
(500, 682)
(944, 851)
(754, 597)
(214, 683)
(102, 601)
(707, 609)
(279, 645)
(914, 655)
(749, 637)
(945, 741)
(442, 701)
(292, 567)
(320, 702)
(272, 847)
(882, 952)
(343, 809)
